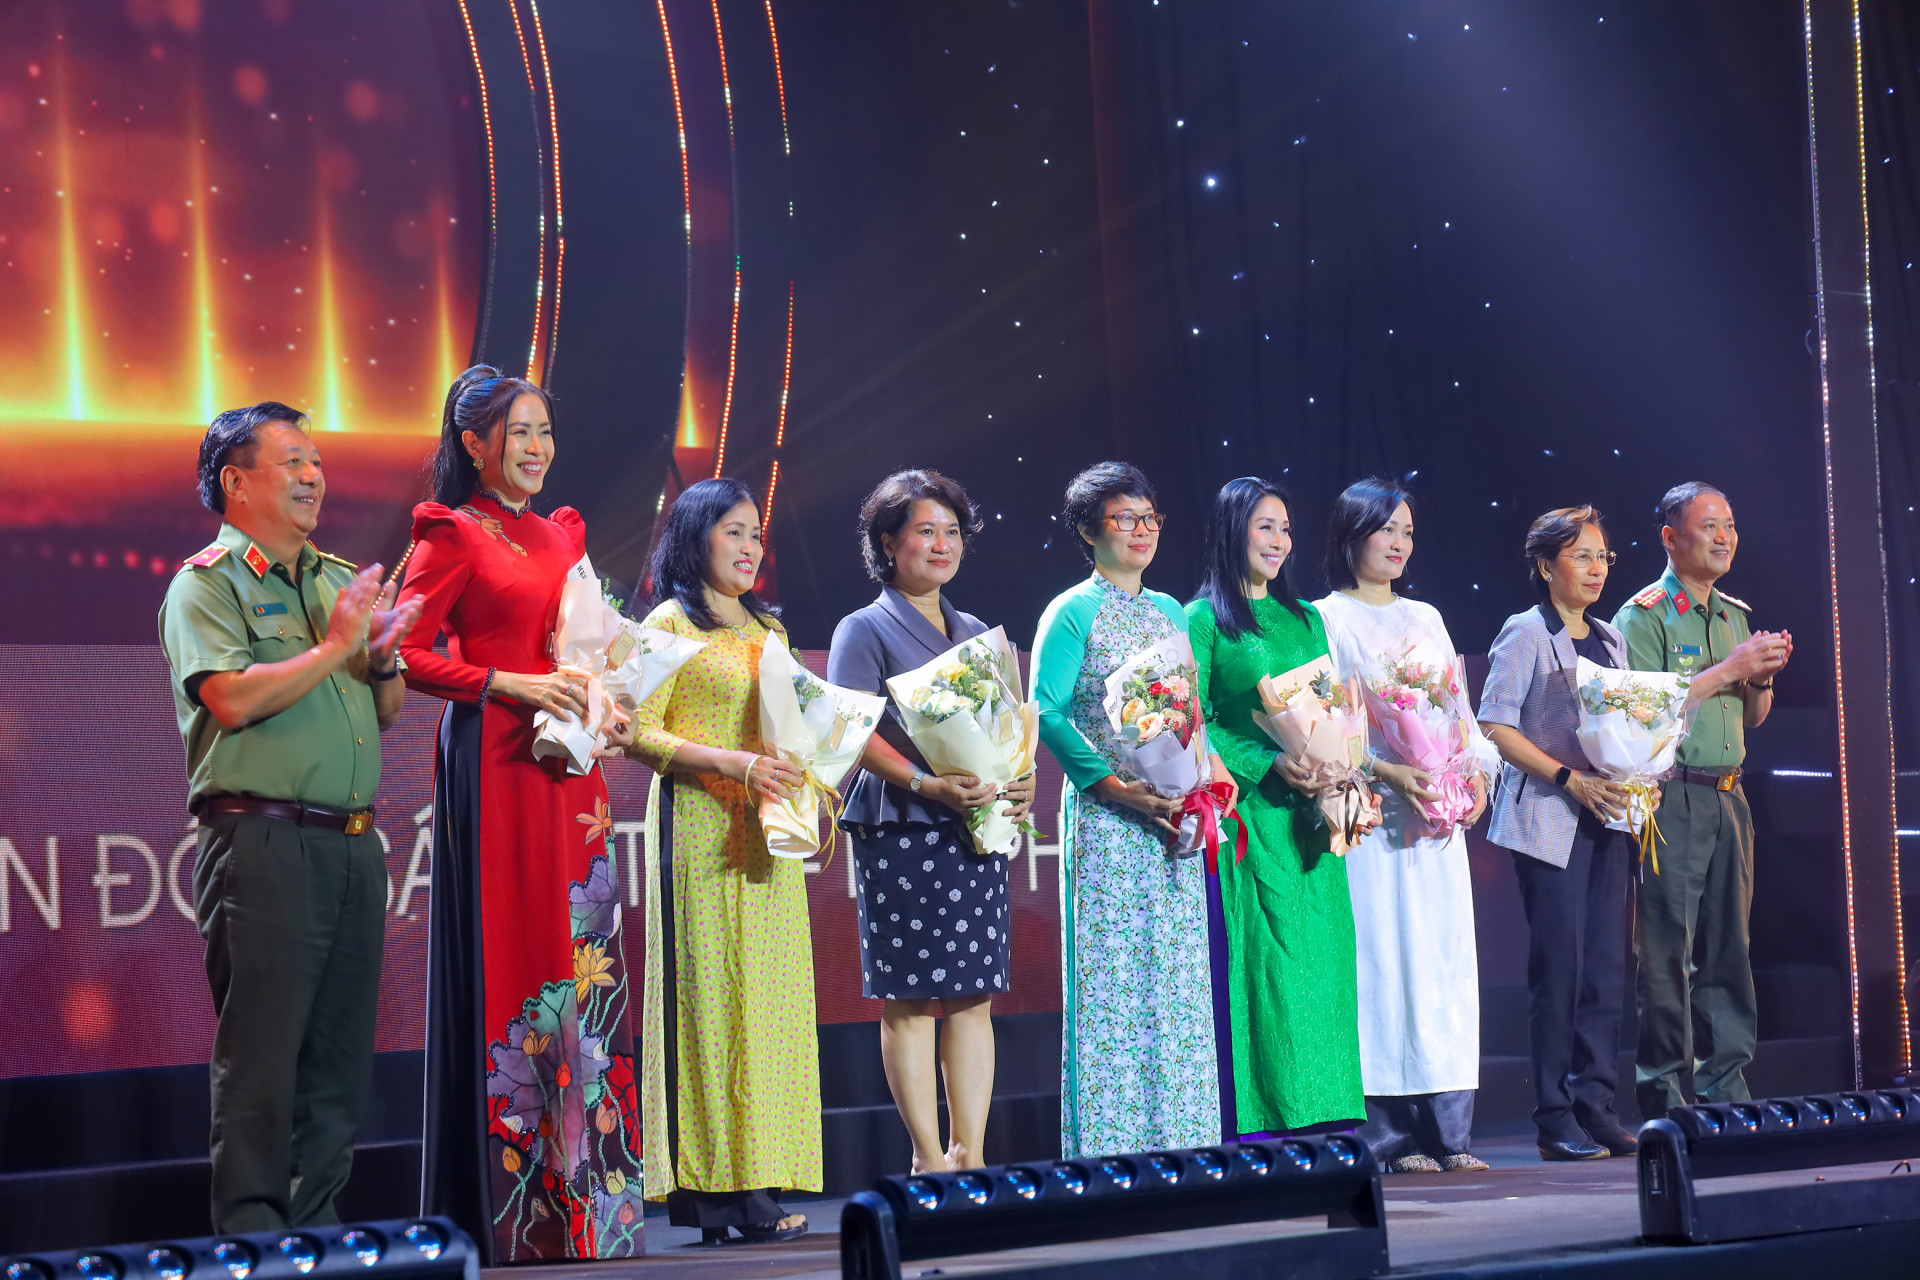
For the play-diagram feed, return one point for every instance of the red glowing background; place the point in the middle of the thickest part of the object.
(206, 203)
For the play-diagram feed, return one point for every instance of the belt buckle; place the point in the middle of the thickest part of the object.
(1726, 782)
(361, 822)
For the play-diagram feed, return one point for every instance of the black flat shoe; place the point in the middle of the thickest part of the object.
(1615, 1139)
(791, 1227)
(1574, 1150)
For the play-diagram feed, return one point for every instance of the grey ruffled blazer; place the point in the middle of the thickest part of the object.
(1530, 686)
(885, 639)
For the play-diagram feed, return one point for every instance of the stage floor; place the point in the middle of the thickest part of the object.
(1523, 1211)
(1522, 1204)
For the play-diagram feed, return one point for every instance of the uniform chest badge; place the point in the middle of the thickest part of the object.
(263, 610)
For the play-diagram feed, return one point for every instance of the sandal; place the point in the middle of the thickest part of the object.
(791, 1227)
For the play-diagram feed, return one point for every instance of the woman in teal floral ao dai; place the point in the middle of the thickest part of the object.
(1138, 1064)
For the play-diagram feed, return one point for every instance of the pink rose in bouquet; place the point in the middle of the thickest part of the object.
(1421, 711)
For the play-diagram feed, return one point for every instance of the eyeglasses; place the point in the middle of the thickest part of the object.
(1587, 559)
(1127, 522)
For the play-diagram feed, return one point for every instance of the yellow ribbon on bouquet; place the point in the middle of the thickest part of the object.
(798, 816)
(1643, 794)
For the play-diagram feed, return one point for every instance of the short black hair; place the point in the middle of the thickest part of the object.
(1673, 506)
(233, 440)
(679, 570)
(1089, 492)
(1362, 510)
(1553, 533)
(884, 513)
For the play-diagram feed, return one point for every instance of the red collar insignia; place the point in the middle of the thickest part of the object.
(257, 560)
(1681, 602)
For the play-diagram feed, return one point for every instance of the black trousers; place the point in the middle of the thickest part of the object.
(1577, 977)
(294, 919)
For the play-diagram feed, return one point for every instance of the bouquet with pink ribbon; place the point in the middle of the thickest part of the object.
(1420, 708)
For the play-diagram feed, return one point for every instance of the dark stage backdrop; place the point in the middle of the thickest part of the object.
(1891, 88)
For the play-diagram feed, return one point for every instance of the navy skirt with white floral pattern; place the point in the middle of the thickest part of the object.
(933, 913)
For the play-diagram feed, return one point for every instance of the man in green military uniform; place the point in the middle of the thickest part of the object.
(1696, 980)
(284, 674)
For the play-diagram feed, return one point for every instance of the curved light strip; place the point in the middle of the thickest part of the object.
(780, 433)
(733, 164)
(559, 207)
(780, 78)
(1833, 565)
(540, 164)
(493, 174)
(1873, 407)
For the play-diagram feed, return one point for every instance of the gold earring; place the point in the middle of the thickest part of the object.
(479, 465)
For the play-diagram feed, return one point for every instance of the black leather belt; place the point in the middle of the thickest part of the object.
(1718, 779)
(354, 822)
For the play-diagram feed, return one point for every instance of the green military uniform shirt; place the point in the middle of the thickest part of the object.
(232, 606)
(1668, 631)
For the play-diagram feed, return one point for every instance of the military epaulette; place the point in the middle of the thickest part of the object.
(208, 558)
(1651, 596)
(1736, 602)
(349, 565)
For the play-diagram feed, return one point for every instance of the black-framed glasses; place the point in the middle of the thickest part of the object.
(1127, 522)
(1587, 559)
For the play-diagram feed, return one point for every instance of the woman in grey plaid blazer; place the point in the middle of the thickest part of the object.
(1552, 814)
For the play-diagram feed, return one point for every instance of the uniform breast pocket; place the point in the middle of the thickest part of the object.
(276, 636)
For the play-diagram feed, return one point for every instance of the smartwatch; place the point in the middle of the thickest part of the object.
(1560, 778)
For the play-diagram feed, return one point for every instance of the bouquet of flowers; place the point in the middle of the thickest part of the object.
(1420, 708)
(820, 727)
(625, 661)
(966, 713)
(1153, 707)
(1631, 724)
(1318, 721)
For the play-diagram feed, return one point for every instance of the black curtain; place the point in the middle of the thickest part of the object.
(1891, 91)
(1522, 256)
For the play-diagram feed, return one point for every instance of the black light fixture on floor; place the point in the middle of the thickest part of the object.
(407, 1249)
(1773, 1135)
(1060, 1202)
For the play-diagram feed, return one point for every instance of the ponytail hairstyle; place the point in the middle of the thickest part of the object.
(478, 401)
(679, 570)
(1225, 585)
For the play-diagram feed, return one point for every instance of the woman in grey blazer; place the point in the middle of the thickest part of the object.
(1551, 812)
(934, 913)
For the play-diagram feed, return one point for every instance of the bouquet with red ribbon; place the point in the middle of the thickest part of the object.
(1153, 708)
(1206, 808)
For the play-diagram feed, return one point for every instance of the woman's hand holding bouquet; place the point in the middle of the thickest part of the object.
(1153, 708)
(1631, 726)
(1317, 723)
(613, 662)
(1420, 709)
(967, 714)
(821, 730)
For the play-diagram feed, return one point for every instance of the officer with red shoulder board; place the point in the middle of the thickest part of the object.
(1691, 935)
(284, 674)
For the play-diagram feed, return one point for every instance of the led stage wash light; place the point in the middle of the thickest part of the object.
(1772, 1135)
(405, 1249)
(1032, 1204)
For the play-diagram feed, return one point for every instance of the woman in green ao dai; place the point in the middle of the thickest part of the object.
(1291, 1000)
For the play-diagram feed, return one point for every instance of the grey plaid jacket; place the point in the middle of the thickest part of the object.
(1530, 687)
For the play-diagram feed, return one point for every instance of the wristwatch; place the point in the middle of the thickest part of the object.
(1762, 685)
(1560, 778)
(919, 779)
